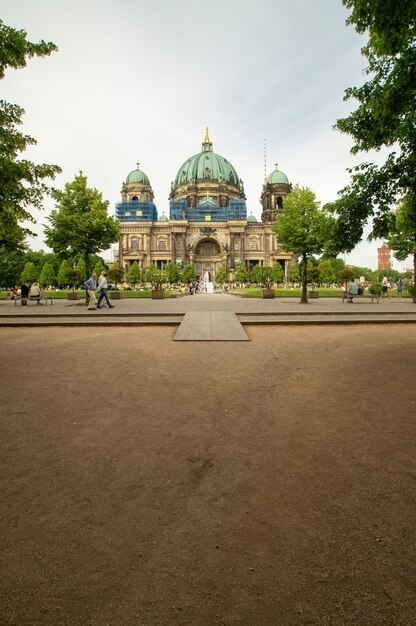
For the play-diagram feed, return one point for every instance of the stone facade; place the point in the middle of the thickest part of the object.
(208, 226)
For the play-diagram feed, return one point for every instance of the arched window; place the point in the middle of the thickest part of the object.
(135, 199)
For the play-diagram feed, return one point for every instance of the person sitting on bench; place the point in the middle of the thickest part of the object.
(36, 292)
(352, 290)
(24, 293)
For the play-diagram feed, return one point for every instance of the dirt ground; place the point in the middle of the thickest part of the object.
(151, 482)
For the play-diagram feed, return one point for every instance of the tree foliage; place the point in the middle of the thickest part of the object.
(47, 275)
(385, 118)
(21, 181)
(134, 274)
(221, 275)
(80, 225)
(188, 274)
(115, 274)
(11, 266)
(326, 272)
(303, 228)
(241, 274)
(63, 274)
(155, 276)
(30, 273)
(173, 273)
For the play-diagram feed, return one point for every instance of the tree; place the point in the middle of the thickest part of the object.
(74, 277)
(385, 118)
(402, 238)
(63, 274)
(80, 225)
(173, 273)
(346, 275)
(99, 267)
(241, 274)
(47, 275)
(155, 276)
(134, 274)
(294, 274)
(30, 273)
(221, 275)
(21, 181)
(11, 266)
(115, 274)
(314, 274)
(278, 273)
(326, 272)
(303, 229)
(81, 266)
(188, 274)
(263, 275)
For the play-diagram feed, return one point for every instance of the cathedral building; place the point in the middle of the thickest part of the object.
(208, 226)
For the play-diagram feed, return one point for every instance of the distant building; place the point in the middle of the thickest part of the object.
(384, 257)
(208, 226)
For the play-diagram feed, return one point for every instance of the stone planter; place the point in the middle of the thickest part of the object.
(72, 295)
(267, 293)
(157, 294)
(313, 294)
(115, 295)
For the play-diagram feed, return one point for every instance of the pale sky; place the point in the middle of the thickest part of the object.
(137, 80)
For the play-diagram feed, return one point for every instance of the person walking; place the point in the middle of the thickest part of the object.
(399, 287)
(91, 285)
(102, 288)
(385, 287)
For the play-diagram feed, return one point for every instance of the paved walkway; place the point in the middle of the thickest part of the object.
(249, 311)
(210, 326)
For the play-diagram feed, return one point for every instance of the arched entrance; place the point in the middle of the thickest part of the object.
(207, 258)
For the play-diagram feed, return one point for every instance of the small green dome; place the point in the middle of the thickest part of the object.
(251, 218)
(163, 218)
(137, 176)
(277, 177)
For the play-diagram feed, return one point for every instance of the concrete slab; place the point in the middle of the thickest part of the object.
(210, 326)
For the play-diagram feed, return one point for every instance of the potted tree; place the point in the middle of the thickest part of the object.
(313, 276)
(156, 277)
(263, 276)
(375, 289)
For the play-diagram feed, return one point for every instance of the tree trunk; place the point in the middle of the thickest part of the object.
(87, 262)
(304, 296)
(414, 278)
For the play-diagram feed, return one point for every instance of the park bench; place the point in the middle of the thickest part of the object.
(360, 295)
(37, 299)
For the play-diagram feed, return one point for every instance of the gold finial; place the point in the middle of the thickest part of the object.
(207, 143)
(276, 164)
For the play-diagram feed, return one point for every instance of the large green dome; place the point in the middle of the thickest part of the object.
(277, 177)
(207, 165)
(137, 176)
